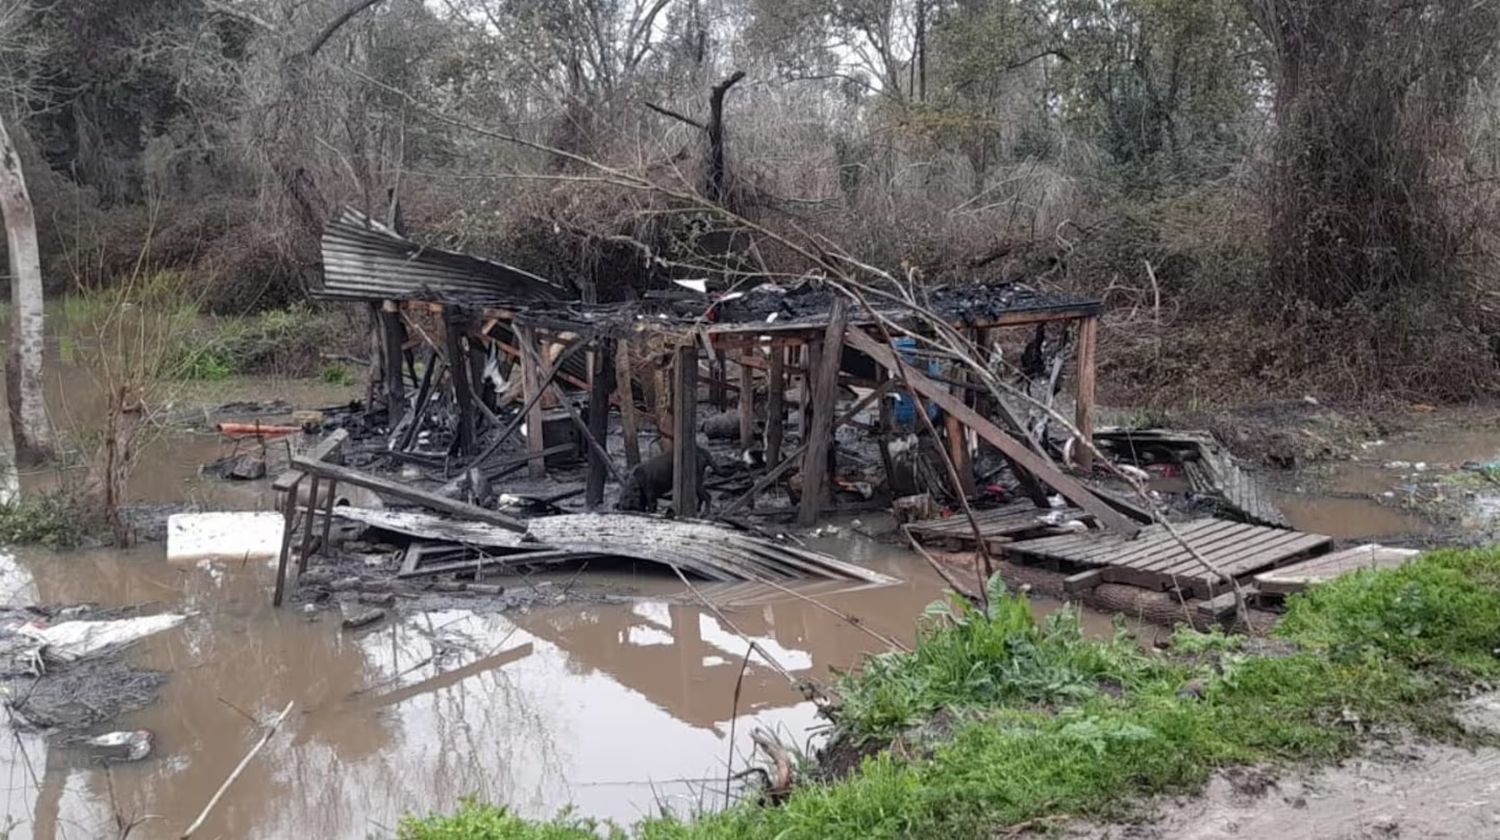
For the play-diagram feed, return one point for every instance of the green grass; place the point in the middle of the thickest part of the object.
(337, 374)
(282, 341)
(54, 520)
(1042, 723)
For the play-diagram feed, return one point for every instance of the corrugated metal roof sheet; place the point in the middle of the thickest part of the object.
(366, 260)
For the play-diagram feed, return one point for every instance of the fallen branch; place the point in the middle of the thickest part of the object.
(239, 768)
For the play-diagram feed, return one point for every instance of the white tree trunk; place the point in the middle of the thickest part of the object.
(30, 428)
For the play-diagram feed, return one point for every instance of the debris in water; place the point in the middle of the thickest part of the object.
(239, 535)
(357, 616)
(122, 746)
(74, 640)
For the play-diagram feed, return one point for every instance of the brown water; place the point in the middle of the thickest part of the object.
(1380, 493)
(611, 708)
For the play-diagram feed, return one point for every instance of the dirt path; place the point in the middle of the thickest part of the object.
(1409, 790)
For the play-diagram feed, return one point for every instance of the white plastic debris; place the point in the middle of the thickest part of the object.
(237, 535)
(74, 640)
(699, 286)
(128, 746)
(1134, 472)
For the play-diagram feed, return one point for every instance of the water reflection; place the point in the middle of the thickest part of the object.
(615, 708)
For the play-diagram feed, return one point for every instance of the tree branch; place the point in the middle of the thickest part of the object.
(334, 26)
(667, 112)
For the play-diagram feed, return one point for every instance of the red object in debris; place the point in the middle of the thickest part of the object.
(712, 315)
(996, 490)
(246, 430)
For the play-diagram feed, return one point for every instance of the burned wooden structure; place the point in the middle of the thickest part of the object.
(483, 370)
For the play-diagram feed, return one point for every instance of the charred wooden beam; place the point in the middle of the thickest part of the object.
(630, 427)
(824, 397)
(684, 431)
(1012, 448)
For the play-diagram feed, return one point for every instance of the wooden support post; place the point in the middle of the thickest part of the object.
(717, 392)
(288, 531)
(684, 433)
(811, 353)
(424, 396)
(630, 427)
(454, 322)
(531, 388)
(958, 445)
(328, 497)
(309, 522)
(775, 405)
(601, 373)
(664, 424)
(1088, 339)
(394, 331)
(824, 397)
(1014, 449)
(747, 403)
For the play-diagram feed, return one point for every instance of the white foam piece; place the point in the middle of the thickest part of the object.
(224, 535)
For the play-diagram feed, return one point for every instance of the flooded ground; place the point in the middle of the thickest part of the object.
(616, 709)
(1419, 486)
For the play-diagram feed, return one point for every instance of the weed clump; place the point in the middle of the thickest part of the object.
(54, 520)
(1050, 725)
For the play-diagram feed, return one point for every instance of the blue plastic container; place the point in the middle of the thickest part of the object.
(905, 413)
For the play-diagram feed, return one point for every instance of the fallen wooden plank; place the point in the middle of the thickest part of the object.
(1083, 581)
(1012, 448)
(406, 493)
(1301, 575)
(1223, 605)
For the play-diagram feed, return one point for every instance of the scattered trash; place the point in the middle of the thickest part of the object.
(133, 745)
(246, 535)
(357, 615)
(74, 640)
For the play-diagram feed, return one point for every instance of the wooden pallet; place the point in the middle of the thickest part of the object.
(1156, 559)
(1299, 576)
(998, 526)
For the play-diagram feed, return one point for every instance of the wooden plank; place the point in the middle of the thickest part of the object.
(1088, 339)
(601, 365)
(407, 493)
(775, 404)
(684, 432)
(458, 372)
(531, 390)
(395, 389)
(1151, 543)
(1284, 553)
(1216, 535)
(1083, 581)
(1012, 448)
(288, 528)
(308, 524)
(1301, 575)
(630, 427)
(1225, 604)
(1228, 555)
(823, 401)
(747, 403)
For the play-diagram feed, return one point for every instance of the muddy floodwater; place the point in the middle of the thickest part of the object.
(617, 709)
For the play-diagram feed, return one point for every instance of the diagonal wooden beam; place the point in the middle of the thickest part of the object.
(1012, 448)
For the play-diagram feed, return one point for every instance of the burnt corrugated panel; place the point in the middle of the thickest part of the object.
(365, 260)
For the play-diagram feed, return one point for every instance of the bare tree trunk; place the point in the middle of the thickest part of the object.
(23, 369)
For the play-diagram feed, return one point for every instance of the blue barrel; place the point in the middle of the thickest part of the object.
(905, 413)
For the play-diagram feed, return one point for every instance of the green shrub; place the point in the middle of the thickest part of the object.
(474, 821)
(54, 520)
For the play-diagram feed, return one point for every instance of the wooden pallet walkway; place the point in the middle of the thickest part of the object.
(998, 526)
(1156, 559)
(1301, 575)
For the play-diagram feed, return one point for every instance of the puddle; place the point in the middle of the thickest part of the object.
(1387, 490)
